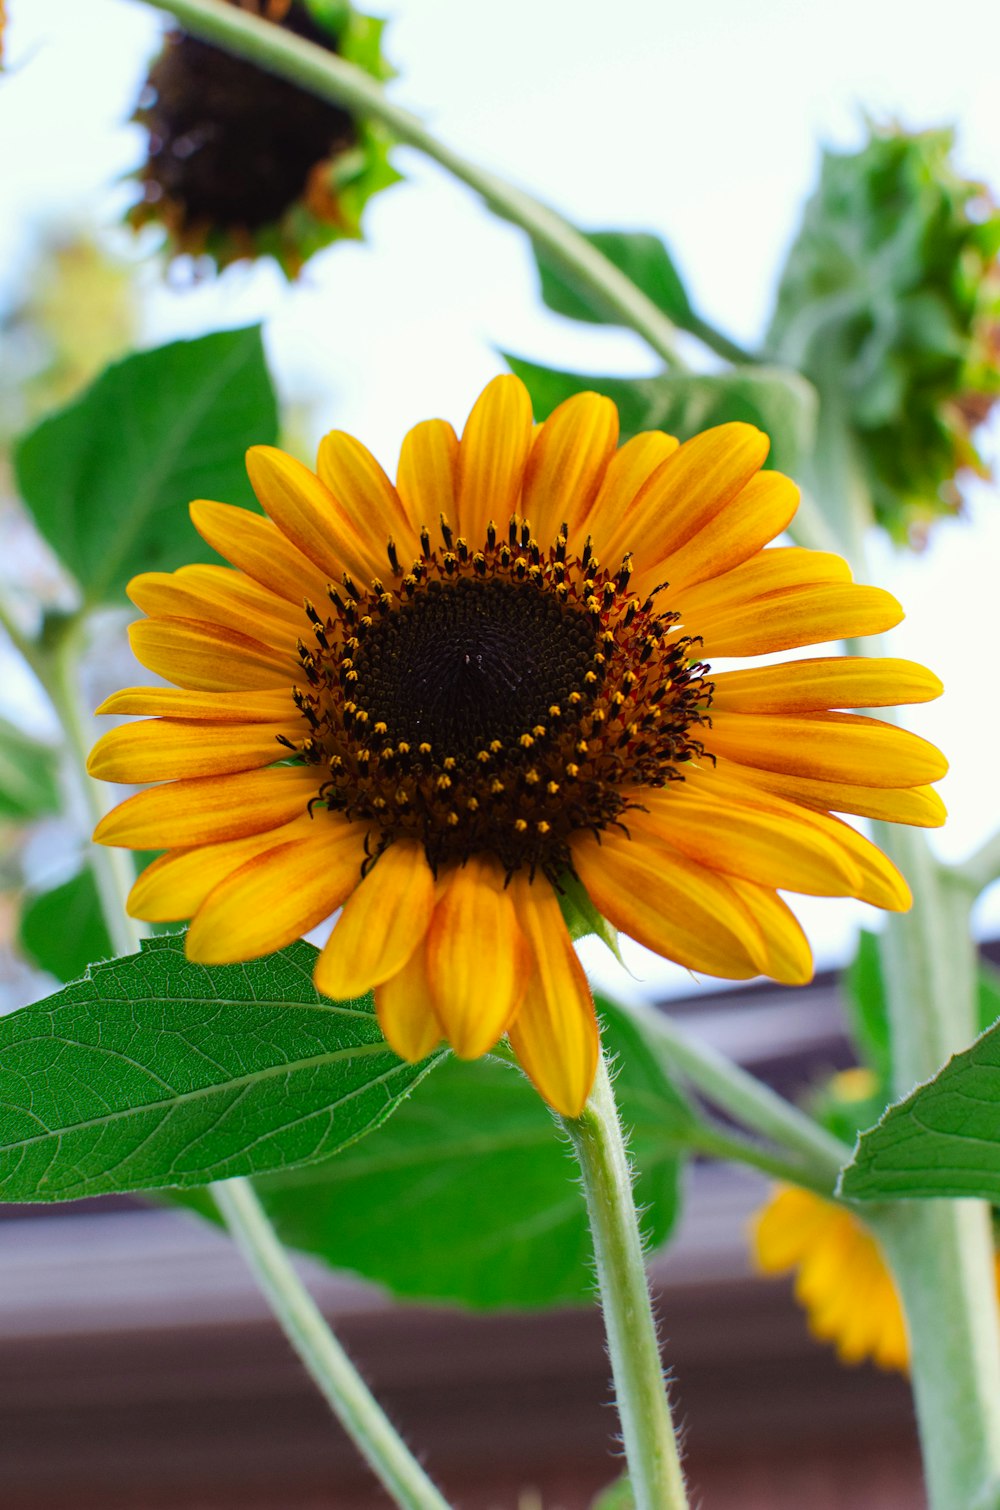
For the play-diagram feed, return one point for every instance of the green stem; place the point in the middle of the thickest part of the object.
(818, 1154)
(332, 1371)
(716, 340)
(715, 1141)
(982, 868)
(332, 78)
(655, 1476)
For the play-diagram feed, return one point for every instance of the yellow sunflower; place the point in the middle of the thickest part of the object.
(430, 703)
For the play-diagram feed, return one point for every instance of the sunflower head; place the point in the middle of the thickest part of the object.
(436, 702)
(890, 303)
(243, 164)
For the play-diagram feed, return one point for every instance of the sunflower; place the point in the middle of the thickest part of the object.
(436, 704)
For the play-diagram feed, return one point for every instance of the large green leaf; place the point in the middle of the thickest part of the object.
(942, 1140)
(469, 1194)
(152, 1071)
(63, 930)
(641, 257)
(28, 785)
(773, 398)
(109, 478)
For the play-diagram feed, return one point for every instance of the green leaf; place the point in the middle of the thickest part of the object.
(773, 398)
(641, 257)
(152, 1071)
(942, 1140)
(109, 478)
(28, 785)
(469, 1194)
(617, 1496)
(63, 930)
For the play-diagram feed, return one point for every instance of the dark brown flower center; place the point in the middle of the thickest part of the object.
(496, 700)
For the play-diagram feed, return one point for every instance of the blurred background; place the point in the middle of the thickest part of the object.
(136, 1328)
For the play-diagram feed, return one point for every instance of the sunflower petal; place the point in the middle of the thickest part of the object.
(555, 1033)
(669, 903)
(427, 477)
(278, 895)
(406, 1012)
(826, 682)
(174, 886)
(168, 749)
(920, 806)
(209, 809)
(567, 464)
(478, 961)
(807, 615)
(631, 467)
(381, 925)
(310, 516)
(843, 747)
(788, 955)
(365, 493)
(218, 595)
(209, 658)
(491, 457)
(215, 707)
(758, 513)
(258, 547)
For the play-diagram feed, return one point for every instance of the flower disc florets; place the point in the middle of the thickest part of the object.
(496, 699)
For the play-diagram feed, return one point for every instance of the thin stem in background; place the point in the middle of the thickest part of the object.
(655, 1476)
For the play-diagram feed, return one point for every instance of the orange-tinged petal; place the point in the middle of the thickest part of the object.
(631, 467)
(555, 1034)
(769, 571)
(406, 1012)
(259, 548)
(310, 516)
(669, 903)
(492, 456)
(695, 484)
(920, 806)
(788, 957)
(478, 960)
(366, 495)
(219, 595)
(427, 478)
(216, 707)
(882, 885)
(174, 886)
(209, 809)
(279, 894)
(808, 615)
(382, 924)
(843, 747)
(757, 514)
(567, 464)
(813, 686)
(209, 657)
(771, 849)
(167, 749)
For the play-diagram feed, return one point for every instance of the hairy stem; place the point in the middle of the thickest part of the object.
(654, 1466)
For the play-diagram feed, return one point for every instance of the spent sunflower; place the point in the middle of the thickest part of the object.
(432, 703)
(242, 164)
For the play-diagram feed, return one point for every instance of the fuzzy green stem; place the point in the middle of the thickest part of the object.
(332, 1371)
(655, 1475)
(332, 78)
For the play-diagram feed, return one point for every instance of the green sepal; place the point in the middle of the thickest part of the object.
(582, 917)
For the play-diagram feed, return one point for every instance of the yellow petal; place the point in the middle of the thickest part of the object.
(478, 961)
(788, 957)
(168, 749)
(882, 885)
(217, 707)
(174, 886)
(757, 514)
(209, 809)
(491, 457)
(813, 686)
(210, 658)
(218, 595)
(920, 806)
(808, 615)
(843, 747)
(769, 571)
(697, 483)
(772, 849)
(555, 1032)
(278, 895)
(567, 464)
(366, 495)
(427, 479)
(311, 517)
(406, 1012)
(382, 924)
(669, 903)
(259, 548)
(631, 467)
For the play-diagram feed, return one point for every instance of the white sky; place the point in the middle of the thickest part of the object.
(702, 123)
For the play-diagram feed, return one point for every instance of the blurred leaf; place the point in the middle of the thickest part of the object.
(63, 931)
(469, 1194)
(28, 776)
(152, 1071)
(989, 996)
(109, 478)
(775, 399)
(942, 1140)
(641, 257)
(617, 1496)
